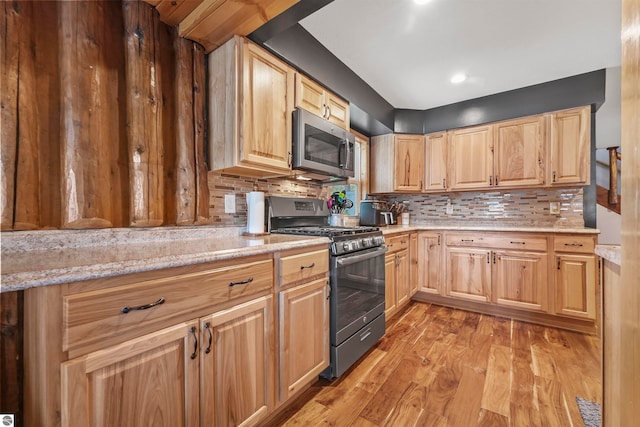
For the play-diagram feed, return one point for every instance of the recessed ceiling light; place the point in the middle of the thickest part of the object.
(458, 78)
(421, 1)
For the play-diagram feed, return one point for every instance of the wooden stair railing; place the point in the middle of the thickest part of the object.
(609, 198)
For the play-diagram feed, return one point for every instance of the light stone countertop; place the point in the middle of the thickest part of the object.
(611, 253)
(49, 257)
(393, 229)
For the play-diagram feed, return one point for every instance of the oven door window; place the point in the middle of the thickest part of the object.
(360, 291)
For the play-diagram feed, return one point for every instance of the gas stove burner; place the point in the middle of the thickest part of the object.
(325, 231)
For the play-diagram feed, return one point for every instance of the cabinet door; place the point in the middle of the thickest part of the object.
(575, 286)
(304, 335)
(338, 111)
(267, 106)
(520, 279)
(471, 158)
(469, 274)
(150, 380)
(238, 364)
(518, 152)
(436, 162)
(390, 296)
(413, 264)
(429, 261)
(310, 96)
(403, 287)
(409, 162)
(570, 151)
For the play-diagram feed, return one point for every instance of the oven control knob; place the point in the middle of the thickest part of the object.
(346, 246)
(366, 242)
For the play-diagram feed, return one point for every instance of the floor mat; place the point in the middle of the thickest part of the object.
(590, 412)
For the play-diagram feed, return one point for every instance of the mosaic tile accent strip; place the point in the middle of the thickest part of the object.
(508, 207)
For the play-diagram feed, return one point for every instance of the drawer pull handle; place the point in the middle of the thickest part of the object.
(365, 334)
(195, 342)
(207, 326)
(467, 240)
(313, 264)
(575, 245)
(243, 282)
(125, 310)
(517, 243)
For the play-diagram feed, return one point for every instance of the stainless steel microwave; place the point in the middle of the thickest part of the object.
(320, 147)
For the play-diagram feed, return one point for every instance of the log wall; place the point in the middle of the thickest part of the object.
(102, 118)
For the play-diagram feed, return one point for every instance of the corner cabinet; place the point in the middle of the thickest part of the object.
(570, 147)
(398, 162)
(397, 274)
(430, 262)
(251, 99)
(316, 99)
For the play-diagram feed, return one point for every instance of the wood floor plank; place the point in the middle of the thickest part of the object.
(497, 386)
(465, 406)
(440, 367)
(410, 407)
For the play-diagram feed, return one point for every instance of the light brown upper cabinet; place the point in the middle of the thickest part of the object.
(314, 98)
(569, 154)
(518, 153)
(251, 97)
(471, 158)
(397, 163)
(435, 165)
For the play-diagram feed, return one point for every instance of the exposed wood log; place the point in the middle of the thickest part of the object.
(48, 101)
(167, 58)
(199, 95)
(184, 125)
(27, 174)
(11, 354)
(144, 118)
(191, 191)
(87, 108)
(10, 55)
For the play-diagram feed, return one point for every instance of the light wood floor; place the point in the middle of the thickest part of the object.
(438, 366)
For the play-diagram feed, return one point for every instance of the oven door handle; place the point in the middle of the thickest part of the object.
(359, 257)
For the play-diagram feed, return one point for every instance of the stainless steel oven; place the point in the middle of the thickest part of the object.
(357, 308)
(356, 271)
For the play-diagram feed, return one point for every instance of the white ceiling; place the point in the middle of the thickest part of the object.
(408, 52)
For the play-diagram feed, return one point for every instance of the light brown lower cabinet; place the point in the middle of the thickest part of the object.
(397, 274)
(238, 364)
(520, 279)
(548, 278)
(304, 335)
(150, 380)
(469, 274)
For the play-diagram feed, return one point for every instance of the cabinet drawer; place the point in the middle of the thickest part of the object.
(397, 243)
(493, 241)
(91, 317)
(528, 243)
(580, 244)
(302, 266)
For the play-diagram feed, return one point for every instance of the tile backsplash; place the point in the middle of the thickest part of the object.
(221, 184)
(507, 207)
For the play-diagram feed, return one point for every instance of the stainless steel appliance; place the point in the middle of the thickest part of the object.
(357, 276)
(376, 213)
(321, 147)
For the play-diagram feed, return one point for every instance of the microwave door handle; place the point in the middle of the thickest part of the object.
(347, 153)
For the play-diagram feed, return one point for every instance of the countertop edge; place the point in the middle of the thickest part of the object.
(612, 253)
(394, 229)
(48, 277)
